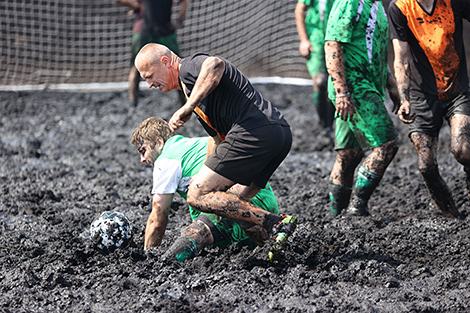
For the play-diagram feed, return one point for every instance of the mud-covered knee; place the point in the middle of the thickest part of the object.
(392, 148)
(350, 156)
(462, 154)
(192, 198)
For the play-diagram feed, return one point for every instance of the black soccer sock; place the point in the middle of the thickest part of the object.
(339, 198)
(270, 220)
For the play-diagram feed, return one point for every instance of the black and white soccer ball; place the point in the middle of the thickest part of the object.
(110, 231)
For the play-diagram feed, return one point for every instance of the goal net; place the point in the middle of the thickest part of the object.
(50, 42)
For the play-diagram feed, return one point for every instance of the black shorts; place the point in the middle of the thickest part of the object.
(251, 156)
(431, 112)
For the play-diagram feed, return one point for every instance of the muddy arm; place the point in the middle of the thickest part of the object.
(157, 220)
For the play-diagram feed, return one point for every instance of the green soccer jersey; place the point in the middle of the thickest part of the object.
(317, 15)
(361, 27)
(180, 159)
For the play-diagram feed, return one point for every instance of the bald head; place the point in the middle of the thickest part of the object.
(158, 66)
(151, 54)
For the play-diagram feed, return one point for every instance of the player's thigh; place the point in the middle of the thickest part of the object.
(207, 181)
(344, 136)
(245, 192)
(371, 124)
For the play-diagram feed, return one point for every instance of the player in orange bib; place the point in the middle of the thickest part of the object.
(432, 79)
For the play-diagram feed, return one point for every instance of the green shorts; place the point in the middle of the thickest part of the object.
(316, 61)
(138, 41)
(370, 127)
(229, 231)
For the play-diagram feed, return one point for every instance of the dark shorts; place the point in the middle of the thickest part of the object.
(138, 41)
(431, 112)
(251, 156)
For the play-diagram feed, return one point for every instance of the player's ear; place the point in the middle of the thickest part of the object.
(165, 60)
(160, 142)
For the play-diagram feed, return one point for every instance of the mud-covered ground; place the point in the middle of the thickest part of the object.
(66, 157)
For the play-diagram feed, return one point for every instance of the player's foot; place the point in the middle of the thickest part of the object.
(281, 232)
(357, 207)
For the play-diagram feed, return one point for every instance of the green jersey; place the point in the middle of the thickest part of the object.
(362, 28)
(317, 15)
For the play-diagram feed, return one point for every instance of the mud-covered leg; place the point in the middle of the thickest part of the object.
(369, 176)
(460, 143)
(193, 239)
(134, 80)
(341, 179)
(256, 232)
(426, 146)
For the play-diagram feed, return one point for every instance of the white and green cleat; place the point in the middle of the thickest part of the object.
(282, 231)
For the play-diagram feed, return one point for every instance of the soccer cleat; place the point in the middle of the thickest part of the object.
(357, 207)
(281, 232)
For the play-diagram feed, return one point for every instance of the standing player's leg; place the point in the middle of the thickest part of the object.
(341, 179)
(134, 80)
(207, 193)
(460, 142)
(348, 156)
(426, 145)
(369, 175)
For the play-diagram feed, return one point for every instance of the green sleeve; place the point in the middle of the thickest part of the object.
(341, 21)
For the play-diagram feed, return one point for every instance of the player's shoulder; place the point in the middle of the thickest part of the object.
(403, 5)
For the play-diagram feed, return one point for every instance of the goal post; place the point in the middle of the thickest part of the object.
(55, 42)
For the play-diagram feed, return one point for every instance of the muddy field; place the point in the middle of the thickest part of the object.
(66, 157)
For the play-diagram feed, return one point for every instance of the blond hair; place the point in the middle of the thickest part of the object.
(149, 130)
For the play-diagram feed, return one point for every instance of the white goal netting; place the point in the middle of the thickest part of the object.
(47, 42)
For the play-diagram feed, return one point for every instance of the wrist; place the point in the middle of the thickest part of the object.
(343, 95)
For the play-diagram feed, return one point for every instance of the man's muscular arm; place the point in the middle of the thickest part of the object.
(209, 78)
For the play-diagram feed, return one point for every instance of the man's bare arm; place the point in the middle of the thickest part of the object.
(335, 65)
(393, 91)
(209, 78)
(134, 5)
(157, 220)
(305, 46)
(401, 65)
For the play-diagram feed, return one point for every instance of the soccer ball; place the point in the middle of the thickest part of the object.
(110, 231)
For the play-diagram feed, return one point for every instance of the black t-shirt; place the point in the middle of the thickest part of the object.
(157, 18)
(234, 105)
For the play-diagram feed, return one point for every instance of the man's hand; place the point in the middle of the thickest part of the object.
(404, 113)
(180, 117)
(305, 48)
(345, 108)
